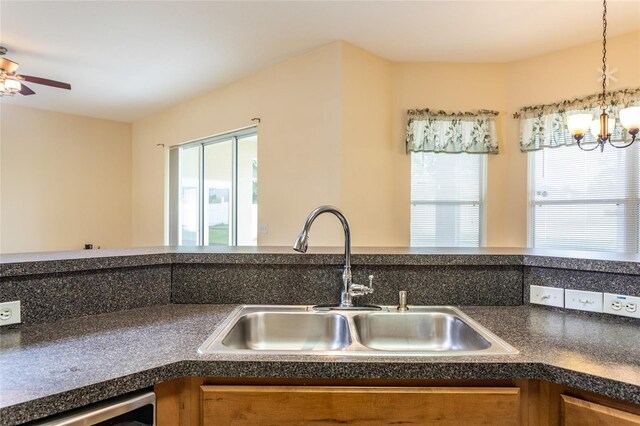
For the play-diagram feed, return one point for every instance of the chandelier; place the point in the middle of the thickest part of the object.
(602, 127)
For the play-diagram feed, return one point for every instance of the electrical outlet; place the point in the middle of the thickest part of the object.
(550, 296)
(590, 301)
(619, 304)
(263, 228)
(9, 313)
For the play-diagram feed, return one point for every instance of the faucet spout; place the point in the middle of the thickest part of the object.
(302, 243)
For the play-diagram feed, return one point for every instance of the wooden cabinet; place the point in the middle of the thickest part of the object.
(330, 405)
(197, 401)
(578, 412)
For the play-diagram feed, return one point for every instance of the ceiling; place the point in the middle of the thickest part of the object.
(128, 59)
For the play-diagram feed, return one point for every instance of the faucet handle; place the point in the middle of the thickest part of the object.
(360, 289)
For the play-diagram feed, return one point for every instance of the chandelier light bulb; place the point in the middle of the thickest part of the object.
(630, 118)
(578, 124)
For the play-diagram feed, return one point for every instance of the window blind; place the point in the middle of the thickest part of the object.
(447, 199)
(585, 200)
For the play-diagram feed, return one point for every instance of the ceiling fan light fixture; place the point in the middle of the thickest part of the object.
(12, 85)
(9, 87)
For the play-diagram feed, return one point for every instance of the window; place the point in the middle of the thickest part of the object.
(213, 188)
(585, 200)
(447, 199)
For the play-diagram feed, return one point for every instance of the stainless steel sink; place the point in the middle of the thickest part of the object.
(418, 331)
(288, 331)
(299, 330)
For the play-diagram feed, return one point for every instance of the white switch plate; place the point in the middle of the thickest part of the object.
(549, 296)
(618, 304)
(583, 300)
(10, 313)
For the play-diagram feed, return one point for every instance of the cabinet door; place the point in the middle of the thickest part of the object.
(326, 405)
(578, 412)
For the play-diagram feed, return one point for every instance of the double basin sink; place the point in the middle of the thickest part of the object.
(299, 330)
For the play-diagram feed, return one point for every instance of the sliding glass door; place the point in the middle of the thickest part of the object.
(214, 183)
(218, 193)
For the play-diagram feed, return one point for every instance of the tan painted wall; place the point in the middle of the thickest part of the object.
(299, 149)
(333, 130)
(368, 184)
(560, 75)
(65, 181)
(505, 88)
(451, 87)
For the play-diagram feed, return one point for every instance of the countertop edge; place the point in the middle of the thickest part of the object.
(75, 398)
(50, 263)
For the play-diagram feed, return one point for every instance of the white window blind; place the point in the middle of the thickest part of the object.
(447, 199)
(585, 200)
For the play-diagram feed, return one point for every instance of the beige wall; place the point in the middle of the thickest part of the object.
(299, 148)
(333, 128)
(65, 181)
(332, 132)
(553, 77)
(451, 87)
(368, 184)
(377, 93)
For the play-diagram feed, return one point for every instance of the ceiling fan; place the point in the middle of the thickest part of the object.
(11, 83)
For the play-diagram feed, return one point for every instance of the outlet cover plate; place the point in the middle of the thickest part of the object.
(10, 313)
(590, 301)
(625, 304)
(550, 296)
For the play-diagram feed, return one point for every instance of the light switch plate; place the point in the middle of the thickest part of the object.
(549, 296)
(619, 304)
(583, 300)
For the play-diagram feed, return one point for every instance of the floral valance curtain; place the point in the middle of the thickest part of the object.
(440, 131)
(545, 126)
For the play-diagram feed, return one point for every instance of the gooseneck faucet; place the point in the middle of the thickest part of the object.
(349, 289)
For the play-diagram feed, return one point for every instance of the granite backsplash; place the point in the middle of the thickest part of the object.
(66, 285)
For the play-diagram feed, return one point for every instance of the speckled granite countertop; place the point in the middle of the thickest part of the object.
(52, 262)
(50, 368)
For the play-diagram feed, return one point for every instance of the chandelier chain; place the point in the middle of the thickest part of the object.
(604, 54)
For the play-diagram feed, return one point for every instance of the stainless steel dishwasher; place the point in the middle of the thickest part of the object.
(130, 410)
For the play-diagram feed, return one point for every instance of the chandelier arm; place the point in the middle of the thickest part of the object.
(633, 139)
(592, 149)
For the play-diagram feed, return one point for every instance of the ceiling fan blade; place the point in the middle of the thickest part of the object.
(26, 91)
(46, 82)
